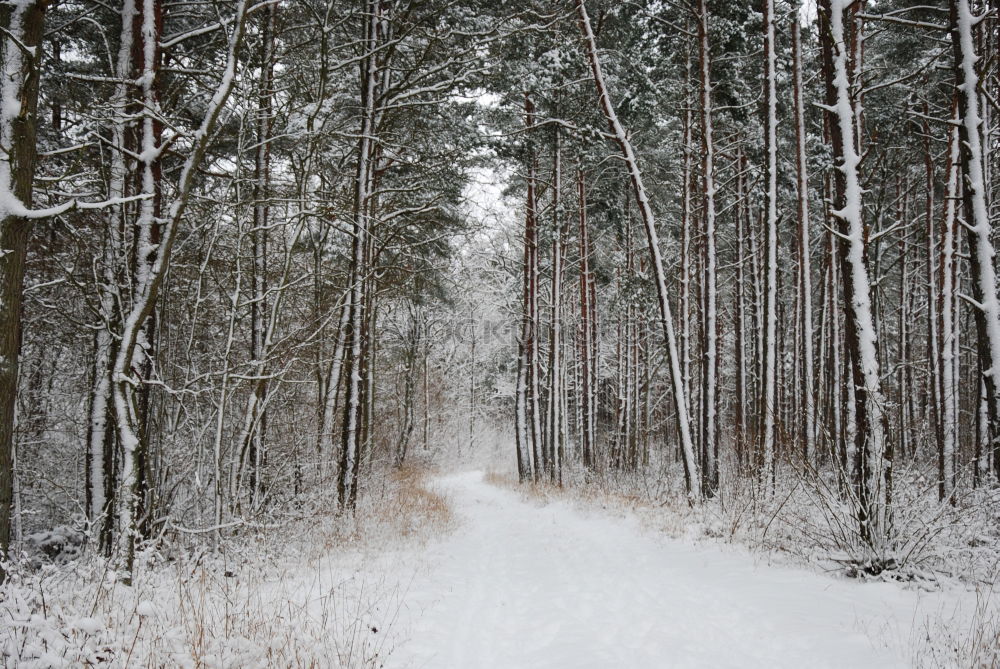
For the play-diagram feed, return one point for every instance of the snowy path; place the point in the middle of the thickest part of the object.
(519, 585)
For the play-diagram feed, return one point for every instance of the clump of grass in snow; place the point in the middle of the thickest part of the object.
(287, 596)
(952, 640)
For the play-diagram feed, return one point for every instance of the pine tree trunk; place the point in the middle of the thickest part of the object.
(155, 245)
(351, 430)
(976, 213)
(741, 318)
(948, 354)
(768, 404)
(685, 281)
(144, 140)
(536, 435)
(805, 264)
(710, 389)
(259, 239)
(873, 451)
(22, 29)
(587, 390)
(554, 419)
(691, 474)
(934, 410)
(332, 389)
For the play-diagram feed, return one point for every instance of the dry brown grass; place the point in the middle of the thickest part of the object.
(416, 508)
(502, 480)
(586, 496)
(402, 504)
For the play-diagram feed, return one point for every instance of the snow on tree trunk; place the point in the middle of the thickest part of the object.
(805, 265)
(529, 462)
(691, 475)
(524, 464)
(351, 438)
(534, 359)
(554, 419)
(710, 388)
(125, 380)
(332, 388)
(686, 233)
(865, 393)
(741, 441)
(768, 406)
(948, 392)
(255, 443)
(21, 23)
(975, 213)
(101, 441)
(587, 333)
(145, 23)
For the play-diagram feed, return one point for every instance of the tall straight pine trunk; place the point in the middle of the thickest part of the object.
(975, 213)
(255, 442)
(710, 370)
(840, 35)
(947, 358)
(588, 333)
(155, 242)
(554, 419)
(20, 56)
(143, 21)
(807, 391)
(767, 402)
(526, 409)
(351, 431)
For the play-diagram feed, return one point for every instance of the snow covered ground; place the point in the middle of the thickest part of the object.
(515, 584)
(519, 585)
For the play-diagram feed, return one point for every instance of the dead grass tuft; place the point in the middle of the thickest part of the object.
(501, 480)
(589, 496)
(417, 509)
(950, 640)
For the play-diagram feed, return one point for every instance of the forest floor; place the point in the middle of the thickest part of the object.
(523, 584)
(455, 572)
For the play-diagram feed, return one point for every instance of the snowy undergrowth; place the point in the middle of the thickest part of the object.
(291, 595)
(953, 639)
(805, 517)
(804, 520)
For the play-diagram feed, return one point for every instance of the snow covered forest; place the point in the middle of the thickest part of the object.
(693, 282)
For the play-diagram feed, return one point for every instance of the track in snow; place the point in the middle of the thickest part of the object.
(518, 586)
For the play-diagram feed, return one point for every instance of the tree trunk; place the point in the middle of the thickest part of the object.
(710, 389)
(534, 321)
(587, 358)
(948, 391)
(261, 213)
(350, 440)
(22, 29)
(805, 263)
(691, 476)
(332, 386)
(976, 214)
(554, 419)
(741, 318)
(873, 452)
(126, 374)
